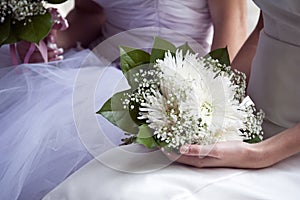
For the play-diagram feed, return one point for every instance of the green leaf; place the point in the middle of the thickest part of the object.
(253, 140)
(131, 58)
(56, 1)
(185, 48)
(145, 137)
(131, 61)
(11, 37)
(4, 30)
(222, 55)
(159, 49)
(36, 30)
(134, 113)
(113, 110)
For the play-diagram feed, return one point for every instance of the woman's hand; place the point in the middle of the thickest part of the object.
(54, 53)
(235, 154)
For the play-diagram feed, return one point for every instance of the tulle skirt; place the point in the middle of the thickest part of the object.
(40, 144)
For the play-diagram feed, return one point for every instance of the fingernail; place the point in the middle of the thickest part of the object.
(184, 149)
(59, 51)
(59, 58)
(52, 45)
(52, 39)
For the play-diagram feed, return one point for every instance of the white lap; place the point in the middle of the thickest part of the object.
(97, 181)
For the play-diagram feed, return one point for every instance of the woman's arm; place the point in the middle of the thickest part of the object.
(229, 19)
(85, 22)
(242, 155)
(238, 154)
(243, 59)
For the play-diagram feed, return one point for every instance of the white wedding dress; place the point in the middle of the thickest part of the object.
(122, 173)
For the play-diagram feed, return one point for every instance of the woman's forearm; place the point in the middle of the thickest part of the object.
(85, 22)
(280, 146)
(229, 19)
(243, 59)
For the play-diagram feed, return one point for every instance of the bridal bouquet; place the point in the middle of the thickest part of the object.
(26, 20)
(177, 98)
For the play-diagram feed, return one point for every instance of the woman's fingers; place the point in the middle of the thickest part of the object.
(200, 150)
(57, 58)
(53, 55)
(223, 154)
(196, 157)
(171, 155)
(200, 162)
(194, 161)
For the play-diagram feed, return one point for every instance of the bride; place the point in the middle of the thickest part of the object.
(47, 111)
(270, 58)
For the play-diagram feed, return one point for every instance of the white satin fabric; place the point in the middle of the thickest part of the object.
(190, 18)
(178, 182)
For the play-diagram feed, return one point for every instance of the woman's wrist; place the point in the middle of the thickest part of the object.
(279, 147)
(259, 155)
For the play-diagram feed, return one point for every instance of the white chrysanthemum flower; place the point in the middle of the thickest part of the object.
(192, 104)
(214, 101)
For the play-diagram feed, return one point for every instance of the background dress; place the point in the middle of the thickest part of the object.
(48, 126)
(274, 80)
(274, 86)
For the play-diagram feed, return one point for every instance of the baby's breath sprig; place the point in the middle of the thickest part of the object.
(238, 78)
(4, 11)
(253, 124)
(22, 10)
